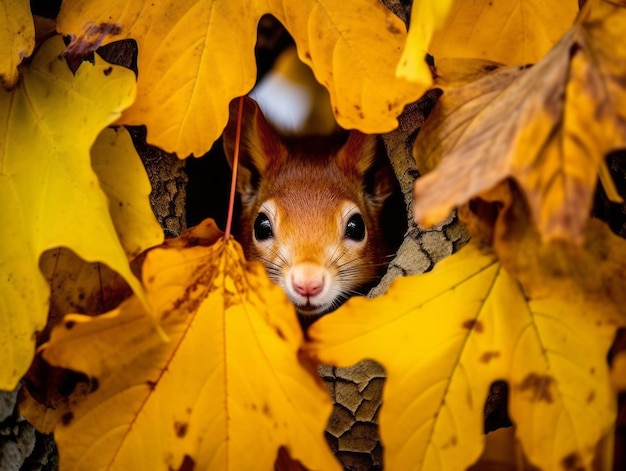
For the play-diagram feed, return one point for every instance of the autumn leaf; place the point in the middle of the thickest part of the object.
(562, 116)
(195, 56)
(17, 36)
(426, 18)
(445, 336)
(225, 392)
(48, 125)
(77, 286)
(512, 32)
(618, 371)
(125, 182)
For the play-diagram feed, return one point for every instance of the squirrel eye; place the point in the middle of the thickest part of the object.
(355, 229)
(262, 227)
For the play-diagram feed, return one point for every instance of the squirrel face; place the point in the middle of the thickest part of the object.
(311, 210)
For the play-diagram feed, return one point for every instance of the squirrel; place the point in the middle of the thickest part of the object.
(311, 210)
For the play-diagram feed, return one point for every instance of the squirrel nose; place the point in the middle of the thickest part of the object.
(308, 287)
(307, 280)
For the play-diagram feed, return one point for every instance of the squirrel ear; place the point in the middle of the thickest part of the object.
(363, 154)
(259, 146)
(358, 153)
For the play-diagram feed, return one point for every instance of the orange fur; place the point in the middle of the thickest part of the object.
(308, 190)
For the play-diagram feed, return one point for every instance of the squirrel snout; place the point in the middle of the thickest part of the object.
(308, 287)
(308, 280)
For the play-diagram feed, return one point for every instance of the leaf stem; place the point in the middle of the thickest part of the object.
(233, 182)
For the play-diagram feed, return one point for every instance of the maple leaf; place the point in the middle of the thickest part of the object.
(17, 36)
(77, 286)
(47, 182)
(195, 56)
(426, 17)
(562, 116)
(225, 392)
(445, 336)
(486, 29)
(618, 371)
(125, 182)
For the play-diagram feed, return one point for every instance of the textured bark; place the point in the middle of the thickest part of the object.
(21, 446)
(168, 179)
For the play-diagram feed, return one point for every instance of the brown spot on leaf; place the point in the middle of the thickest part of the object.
(68, 381)
(450, 443)
(105, 29)
(361, 115)
(69, 325)
(307, 54)
(392, 28)
(67, 418)
(151, 385)
(280, 333)
(470, 324)
(108, 71)
(266, 410)
(81, 47)
(572, 462)
(488, 356)
(591, 397)
(181, 429)
(188, 464)
(574, 48)
(539, 385)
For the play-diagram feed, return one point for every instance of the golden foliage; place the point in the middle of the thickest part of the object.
(512, 32)
(205, 366)
(17, 36)
(225, 391)
(354, 59)
(426, 17)
(124, 180)
(471, 322)
(49, 185)
(563, 115)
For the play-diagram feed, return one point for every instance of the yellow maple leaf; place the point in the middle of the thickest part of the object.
(195, 56)
(445, 336)
(618, 371)
(79, 286)
(512, 32)
(226, 391)
(50, 188)
(124, 180)
(17, 36)
(547, 127)
(426, 18)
